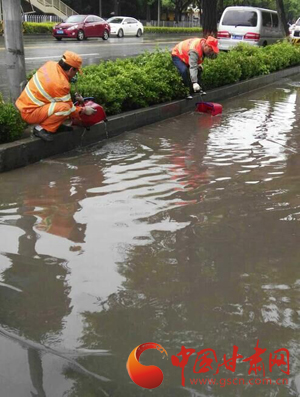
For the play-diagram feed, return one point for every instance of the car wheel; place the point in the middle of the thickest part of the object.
(58, 38)
(105, 35)
(120, 33)
(80, 35)
(139, 33)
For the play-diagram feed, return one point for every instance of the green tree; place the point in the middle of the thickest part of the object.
(180, 6)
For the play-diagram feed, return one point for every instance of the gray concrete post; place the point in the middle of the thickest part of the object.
(15, 60)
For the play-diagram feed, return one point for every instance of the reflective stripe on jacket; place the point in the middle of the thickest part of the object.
(181, 50)
(50, 84)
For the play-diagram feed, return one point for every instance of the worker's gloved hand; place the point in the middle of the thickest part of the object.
(79, 98)
(88, 110)
(200, 67)
(196, 87)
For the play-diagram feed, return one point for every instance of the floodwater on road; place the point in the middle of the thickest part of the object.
(184, 233)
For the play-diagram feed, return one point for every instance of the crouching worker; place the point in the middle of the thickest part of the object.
(46, 100)
(188, 56)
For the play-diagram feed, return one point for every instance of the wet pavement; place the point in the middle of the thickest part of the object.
(40, 49)
(182, 233)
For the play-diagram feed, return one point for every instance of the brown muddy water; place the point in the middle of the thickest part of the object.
(184, 233)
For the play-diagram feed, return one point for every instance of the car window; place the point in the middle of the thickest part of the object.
(298, 22)
(89, 19)
(132, 20)
(240, 18)
(115, 20)
(266, 19)
(127, 20)
(75, 19)
(275, 20)
(98, 19)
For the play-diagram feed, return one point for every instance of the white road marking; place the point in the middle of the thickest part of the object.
(59, 56)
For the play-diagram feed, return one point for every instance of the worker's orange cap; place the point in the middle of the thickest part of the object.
(73, 60)
(213, 43)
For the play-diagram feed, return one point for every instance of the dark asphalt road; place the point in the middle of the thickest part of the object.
(39, 49)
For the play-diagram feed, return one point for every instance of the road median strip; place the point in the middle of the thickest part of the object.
(30, 150)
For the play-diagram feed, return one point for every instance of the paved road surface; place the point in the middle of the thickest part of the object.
(39, 49)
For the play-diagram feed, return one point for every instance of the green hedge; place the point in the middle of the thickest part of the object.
(33, 27)
(11, 124)
(132, 83)
(151, 78)
(153, 29)
(246, 61)
(46, 27)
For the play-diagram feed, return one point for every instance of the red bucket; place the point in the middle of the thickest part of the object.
(88, 121)
(209, 107)
(96, 118)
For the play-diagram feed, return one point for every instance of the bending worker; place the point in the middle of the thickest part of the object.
(46, 100)
(188, 56)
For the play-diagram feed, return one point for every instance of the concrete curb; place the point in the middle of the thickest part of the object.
(30, 150)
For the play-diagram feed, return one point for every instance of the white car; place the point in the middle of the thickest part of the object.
(125, 26)
(295, 32)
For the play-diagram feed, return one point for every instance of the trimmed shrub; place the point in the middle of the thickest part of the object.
(154, 29)
(250, 59)
(220, 71)
(151, 78)
(46, 27)
(132, 83)
(11, 124)
(35, 27)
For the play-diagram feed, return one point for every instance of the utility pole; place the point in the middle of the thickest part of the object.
(13, 35)
(100, 8)
(158, 13)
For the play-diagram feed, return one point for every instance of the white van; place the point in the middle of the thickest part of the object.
(255, 26)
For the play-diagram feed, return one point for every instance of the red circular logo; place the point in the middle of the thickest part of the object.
(147, 376)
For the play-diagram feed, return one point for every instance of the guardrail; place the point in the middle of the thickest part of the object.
(173, 24)
(40, 18)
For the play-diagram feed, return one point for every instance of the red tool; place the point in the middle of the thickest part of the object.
(209, 107)
(88, 121)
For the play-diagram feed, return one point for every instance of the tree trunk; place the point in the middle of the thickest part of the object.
(176, 15)
(116, 7)
(282, 17)
(148, 13)
(209, 18)
(220, 8)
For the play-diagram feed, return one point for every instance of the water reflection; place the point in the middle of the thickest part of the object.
(182, 233)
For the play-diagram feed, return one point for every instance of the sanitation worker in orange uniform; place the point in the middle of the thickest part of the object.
(46, 100)
(188, 56)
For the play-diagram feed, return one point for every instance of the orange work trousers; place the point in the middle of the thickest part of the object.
(49, 116)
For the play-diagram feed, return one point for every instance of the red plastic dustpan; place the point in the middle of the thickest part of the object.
(209, 107)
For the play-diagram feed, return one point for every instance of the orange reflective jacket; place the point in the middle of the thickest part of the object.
(181, 50)
(50, 84)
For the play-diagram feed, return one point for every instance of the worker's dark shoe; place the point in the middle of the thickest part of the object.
(43, 134)
(189, 97)
(63, 128)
